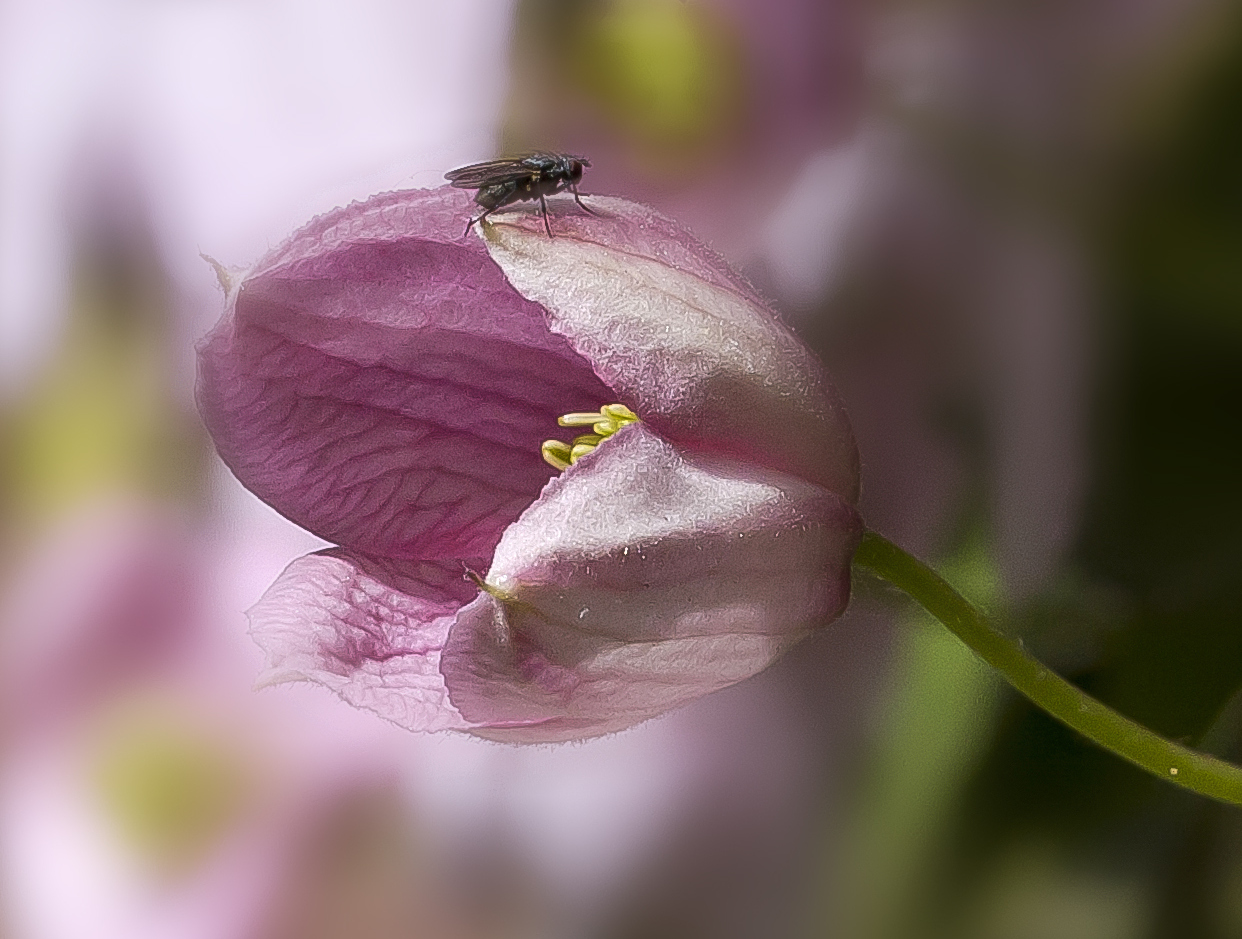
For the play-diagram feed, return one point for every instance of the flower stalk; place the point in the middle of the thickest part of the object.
(1073, 707)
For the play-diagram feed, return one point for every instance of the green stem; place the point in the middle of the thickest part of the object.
(1100, 724)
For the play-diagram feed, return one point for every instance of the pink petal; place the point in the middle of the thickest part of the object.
(680, 339)
(371, 631)
(379, 382)
(640, 580)
(386, 382)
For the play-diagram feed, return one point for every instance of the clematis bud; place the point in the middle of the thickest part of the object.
(391, 386)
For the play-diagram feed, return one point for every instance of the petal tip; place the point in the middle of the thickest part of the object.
(270, 678)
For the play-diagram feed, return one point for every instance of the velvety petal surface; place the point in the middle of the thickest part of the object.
(640, 580)
(386, 381)
(679, 338)
(378, 381)
(370, 630)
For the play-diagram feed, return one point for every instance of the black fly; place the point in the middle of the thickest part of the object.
(531, 176)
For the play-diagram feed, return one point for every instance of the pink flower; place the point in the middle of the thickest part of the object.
(387, 383)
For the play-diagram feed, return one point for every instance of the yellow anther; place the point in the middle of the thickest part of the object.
(605, 422)
(557, 452)
(578, 419)
(619, 412)
(481, 582)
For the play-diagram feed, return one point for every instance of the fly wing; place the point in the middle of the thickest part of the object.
(491, 173)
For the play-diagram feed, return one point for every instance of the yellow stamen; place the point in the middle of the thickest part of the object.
(578, 419)
(619, 412)
(557, 453)
(579, 451)
(483, 585)
(604, 423)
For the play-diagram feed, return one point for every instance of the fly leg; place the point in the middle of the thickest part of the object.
(544, 204)
(470, 224)
(581, 204)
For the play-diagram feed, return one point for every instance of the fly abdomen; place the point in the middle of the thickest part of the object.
(493, 197)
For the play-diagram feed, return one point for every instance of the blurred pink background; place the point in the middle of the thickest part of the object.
(921, 189)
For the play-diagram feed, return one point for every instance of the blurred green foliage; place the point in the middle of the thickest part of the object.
(100, 417)
(664, 72)
(940, 711)
(663, 81)
(1043, 835)
(170, 784)
(979, 817)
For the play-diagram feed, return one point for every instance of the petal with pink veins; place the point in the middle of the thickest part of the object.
(387, 382)
(640, 580)
(372, 633)
(694, 352)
